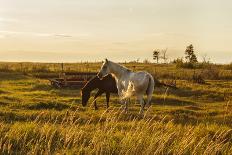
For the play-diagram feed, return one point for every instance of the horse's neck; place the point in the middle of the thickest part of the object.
(117, 71)
(91, 86)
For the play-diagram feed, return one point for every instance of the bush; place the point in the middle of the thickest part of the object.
(211, 73)
(203, 65)
(41, 68)
(229, 66)
(190, 65)
(146, 61)
(5, 68)
(181, 64)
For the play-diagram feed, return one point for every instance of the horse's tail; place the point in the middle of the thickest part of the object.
(150, 89)
(151, 84)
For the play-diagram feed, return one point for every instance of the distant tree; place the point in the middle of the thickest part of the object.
(205, 58)
(190, 55)
(137, 60)
(146, 61)
(193, 59)
(164, 55)
(156, 55)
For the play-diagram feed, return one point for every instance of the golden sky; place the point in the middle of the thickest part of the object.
(121, 30)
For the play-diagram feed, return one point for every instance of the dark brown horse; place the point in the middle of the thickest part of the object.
(105, 85)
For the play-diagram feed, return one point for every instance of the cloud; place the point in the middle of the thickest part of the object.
(63, 36)
(8, 20)
(4, 33)
(15, 33)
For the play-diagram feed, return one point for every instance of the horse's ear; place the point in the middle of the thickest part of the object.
(106, 60)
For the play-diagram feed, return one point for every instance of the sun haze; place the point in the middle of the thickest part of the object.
(122, 30)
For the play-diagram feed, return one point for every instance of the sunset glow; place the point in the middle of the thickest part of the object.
(77, 30)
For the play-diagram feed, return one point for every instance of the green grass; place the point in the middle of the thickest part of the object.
(38, 119)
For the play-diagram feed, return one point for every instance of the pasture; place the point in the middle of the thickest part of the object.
(36, 118)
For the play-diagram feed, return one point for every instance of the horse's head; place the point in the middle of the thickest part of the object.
(89, 86)
(104, 69)
(85, 95)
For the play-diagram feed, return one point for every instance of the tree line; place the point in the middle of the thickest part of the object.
(190, 55)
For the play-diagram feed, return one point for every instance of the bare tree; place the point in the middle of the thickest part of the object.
(205, 58)
(164, 55)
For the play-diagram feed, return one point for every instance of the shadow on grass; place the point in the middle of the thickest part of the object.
(83, 115)
(192, 117)
(3, 103)
(67, 92)
(171, 102)
(11, 116)
(44, 87)
(3, 92)
(12, 76)
(49, 105)
(212, 95)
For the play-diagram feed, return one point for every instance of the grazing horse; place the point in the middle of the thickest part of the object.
(105, 85)
(129, 83)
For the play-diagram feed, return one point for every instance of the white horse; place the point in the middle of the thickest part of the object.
(129, 83)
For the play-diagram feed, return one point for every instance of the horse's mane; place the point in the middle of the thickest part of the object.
(88, 82)
(121, 66)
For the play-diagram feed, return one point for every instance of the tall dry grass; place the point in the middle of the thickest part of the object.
(112, 133)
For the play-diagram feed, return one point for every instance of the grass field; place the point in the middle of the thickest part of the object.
(38, 119)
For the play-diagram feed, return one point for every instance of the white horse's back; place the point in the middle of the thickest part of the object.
(140, 83)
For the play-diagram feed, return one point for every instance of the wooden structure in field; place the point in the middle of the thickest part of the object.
(72, 79)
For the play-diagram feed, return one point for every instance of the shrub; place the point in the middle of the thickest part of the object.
(41, 68)
(181, 64)
(5, 68)
(211, 73)
(146, 61)
(229, 66)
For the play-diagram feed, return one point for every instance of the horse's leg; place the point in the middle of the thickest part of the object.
(96, 95)
(149, 96)
(107, 99)
(120, 94)
(141, 101)
(125, 105)
(121, 97)
(119, 91)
